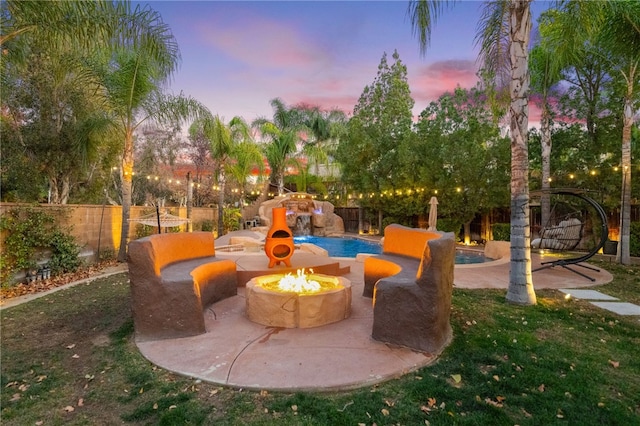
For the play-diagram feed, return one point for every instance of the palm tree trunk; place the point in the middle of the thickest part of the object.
(623, 254)
(520, 279)
(127, 184)
(281, 183)
(221, 184)
(545, 199)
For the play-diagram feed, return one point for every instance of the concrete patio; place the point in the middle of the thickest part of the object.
(238, 353)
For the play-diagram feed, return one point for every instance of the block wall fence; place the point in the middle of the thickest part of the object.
(98, 227)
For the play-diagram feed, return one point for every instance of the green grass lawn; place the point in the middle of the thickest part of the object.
(69, 358)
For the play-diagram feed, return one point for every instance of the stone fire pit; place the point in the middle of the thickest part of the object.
(269, 305)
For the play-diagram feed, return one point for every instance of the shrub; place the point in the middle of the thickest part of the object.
(206, 225)
(65, 251)
(501, 231)
(231, 219)
(143, 230)
(28, 233)
(449, 225)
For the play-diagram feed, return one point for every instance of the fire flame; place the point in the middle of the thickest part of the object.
(298, 283)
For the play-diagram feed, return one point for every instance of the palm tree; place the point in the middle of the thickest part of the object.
(325, 129)
(144, 54)
(224, 140)
(133, 90)
(545, 73)
(87, 25)
(246, 156)
(283, 133)
(511, 18)
(613, 27)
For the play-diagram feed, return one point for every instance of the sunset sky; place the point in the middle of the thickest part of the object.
(238, 55)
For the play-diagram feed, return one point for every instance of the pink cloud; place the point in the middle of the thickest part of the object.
(440, 77)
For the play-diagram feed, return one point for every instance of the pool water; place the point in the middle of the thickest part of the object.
(341, 247)
(350, 247)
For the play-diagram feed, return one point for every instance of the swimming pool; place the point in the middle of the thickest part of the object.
(341, 247)
(350, 247)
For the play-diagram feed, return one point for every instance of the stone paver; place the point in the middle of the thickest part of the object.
(587, 294)
(620, 308)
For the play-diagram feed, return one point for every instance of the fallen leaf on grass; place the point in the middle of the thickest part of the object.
(384, 412)
(80, 402)
(614, 364)
(15, 397)
(541, 388)
(75, 356)
(69, 409)
(71, 346)
(497, 403)
(456, 378)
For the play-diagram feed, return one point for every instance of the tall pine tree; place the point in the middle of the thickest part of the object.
(380, 125)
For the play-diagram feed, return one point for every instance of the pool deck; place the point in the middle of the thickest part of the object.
(238, 353)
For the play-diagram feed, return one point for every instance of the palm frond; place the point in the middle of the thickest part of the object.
(492, 36)
(423, 15)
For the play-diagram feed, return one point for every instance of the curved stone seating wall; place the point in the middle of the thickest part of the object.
(402, 252)
(174, 277)
(415, 312)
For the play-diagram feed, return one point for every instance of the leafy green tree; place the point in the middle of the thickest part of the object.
(381, 125)
(613, 27)
(55, 123)
(459, 151)
(199, 152)
(505, 24)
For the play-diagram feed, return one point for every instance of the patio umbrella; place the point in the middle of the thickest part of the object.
(433, 214)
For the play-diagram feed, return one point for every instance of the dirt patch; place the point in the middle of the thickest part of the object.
(101, 340)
